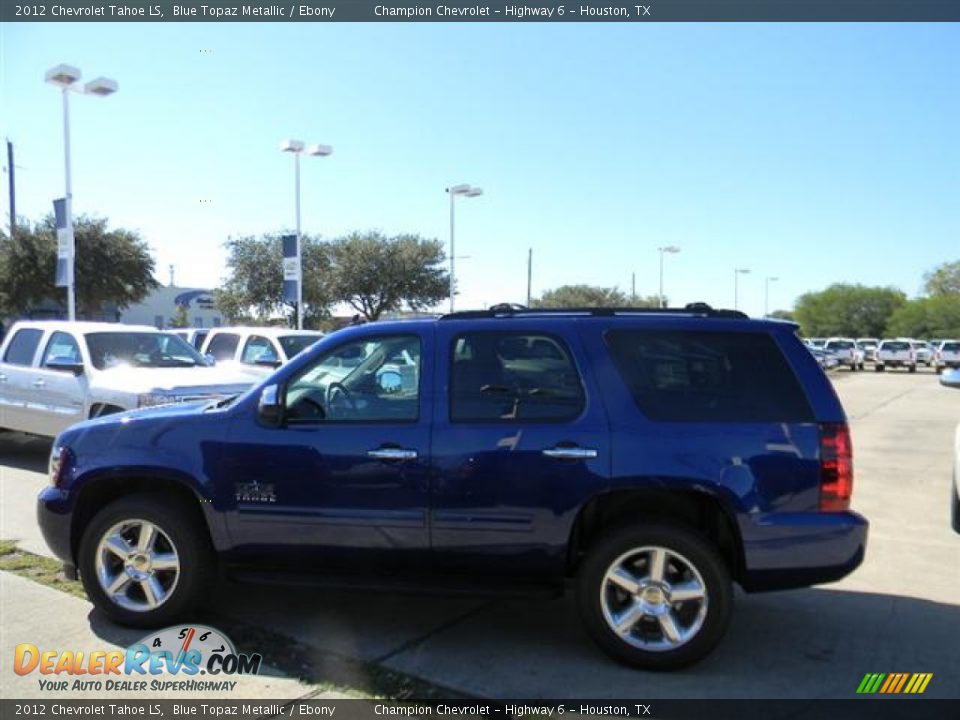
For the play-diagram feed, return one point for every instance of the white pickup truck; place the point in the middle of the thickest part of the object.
(257, 350)
(54, 374)
(947, 355)
(896, 353)
(846, 351)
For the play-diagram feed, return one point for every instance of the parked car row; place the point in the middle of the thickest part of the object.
(907, 353)
(56, 373)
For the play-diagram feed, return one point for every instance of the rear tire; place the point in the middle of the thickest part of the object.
(878, 368)
(912, 368)
(145, 561)
(659, 631)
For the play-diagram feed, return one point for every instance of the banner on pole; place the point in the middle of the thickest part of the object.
(64, 242)
(291, 268)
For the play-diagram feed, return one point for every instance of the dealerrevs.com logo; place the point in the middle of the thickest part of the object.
(172, 659)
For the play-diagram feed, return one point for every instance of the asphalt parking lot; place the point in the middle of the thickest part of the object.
(898, 613)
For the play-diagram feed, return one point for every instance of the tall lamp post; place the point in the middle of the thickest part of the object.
(737, 272)
(67, 78)
(455, 191)
(766, 294)
(672, 249)
(298, 148)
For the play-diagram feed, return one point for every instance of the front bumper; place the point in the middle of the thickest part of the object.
(54, 515)
(791, 550)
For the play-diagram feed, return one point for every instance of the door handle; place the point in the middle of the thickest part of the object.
(571, 453)
(390, 453)
(39, 383)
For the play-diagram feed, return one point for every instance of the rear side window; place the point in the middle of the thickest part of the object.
(708, 376)
(23, 346)
(513, 377)
(223, 346)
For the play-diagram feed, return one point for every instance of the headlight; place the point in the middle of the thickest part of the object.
(59, 460)
(153, 399)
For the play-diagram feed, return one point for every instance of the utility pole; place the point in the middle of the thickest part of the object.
(11, 179)
(633, 288)
(171, 275)
(529, 274)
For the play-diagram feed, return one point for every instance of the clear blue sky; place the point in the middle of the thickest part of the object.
(817, 153)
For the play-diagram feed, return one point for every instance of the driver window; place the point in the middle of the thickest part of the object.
(258, 350)
(369, 380)
(62, 348)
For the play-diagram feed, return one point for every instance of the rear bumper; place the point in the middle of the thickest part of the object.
(53, 516)
(791, 550)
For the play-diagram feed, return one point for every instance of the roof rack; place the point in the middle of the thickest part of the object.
(506, 310)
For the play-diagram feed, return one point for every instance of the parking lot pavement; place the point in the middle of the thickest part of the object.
(898, 613)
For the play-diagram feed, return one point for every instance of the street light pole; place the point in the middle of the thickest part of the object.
(66, 78)
(766, 294)
(453, 191)
(737, 272)
(297, 148)
(672, 249)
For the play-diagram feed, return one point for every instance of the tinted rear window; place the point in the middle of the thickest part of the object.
(840, 345)
(951, 346)
(708, 376)
(896, 346)
(23, 346)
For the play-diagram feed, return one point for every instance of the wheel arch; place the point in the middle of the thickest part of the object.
(698, 509)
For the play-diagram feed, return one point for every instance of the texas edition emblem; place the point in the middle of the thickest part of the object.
(255, 492)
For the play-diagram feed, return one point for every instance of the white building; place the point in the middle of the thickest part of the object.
(159, 308)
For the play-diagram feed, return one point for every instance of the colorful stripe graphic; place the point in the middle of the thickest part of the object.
(894, 683)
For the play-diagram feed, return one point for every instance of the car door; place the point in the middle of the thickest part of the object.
(344, 476)
(521, 439)
(16, 369)
(60, 392)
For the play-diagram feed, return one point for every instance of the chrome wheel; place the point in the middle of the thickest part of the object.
(137, 565)
(653, 599)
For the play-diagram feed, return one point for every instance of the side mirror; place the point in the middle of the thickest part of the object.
(65, 365)
(951, 379)
(390, 381)
(210, 359)
(269, 408)
(268, 362)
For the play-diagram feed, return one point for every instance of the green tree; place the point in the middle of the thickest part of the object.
(784, 315)
(112, 266)
(255, 280)
(180, 318)
(574, 296)
(847, 310)
(374, 274)
(937, 316)
(943, 279)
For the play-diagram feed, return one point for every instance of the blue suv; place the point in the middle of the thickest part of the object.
(650, 458)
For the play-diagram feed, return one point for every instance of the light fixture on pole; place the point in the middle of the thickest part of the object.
(766, 294)
(672, 249)
(454, 191)
(67, 78)
(737, 272)
(293, 267)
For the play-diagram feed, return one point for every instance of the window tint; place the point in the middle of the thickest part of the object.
(295, 344)
(23, 346)
(369, 380)
(895, 346)
(199, 338)
(840, 344)
(63, 348)
(223, 346)
(951, 346)
(258, 349)
(708, 376)
(507, 376)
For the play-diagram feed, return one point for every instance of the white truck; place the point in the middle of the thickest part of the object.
(947, 355)
(896, 353)
(846, 351)
(54, 374)
(257, 350)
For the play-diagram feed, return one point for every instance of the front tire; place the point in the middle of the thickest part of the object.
(912, 368)
(145, 561)
(656, 597)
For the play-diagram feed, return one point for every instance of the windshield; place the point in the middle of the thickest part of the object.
(296, 344)
(140, 349)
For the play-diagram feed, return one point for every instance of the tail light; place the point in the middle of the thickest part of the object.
(836, 467)
(60, 458)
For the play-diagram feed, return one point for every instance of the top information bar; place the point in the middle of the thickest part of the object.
(560, 11)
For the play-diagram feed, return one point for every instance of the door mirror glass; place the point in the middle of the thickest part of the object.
(269, 408)
(951, 379)
(390, 381)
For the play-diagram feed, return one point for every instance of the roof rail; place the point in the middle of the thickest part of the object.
(506, 310)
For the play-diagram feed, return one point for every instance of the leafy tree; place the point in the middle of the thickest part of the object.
(111, 267)
(180, 318)
(572, 296)
(935, 316)
(255, 279)
(785, 315)
(943, 279)
(847, 310)
(375, 274)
